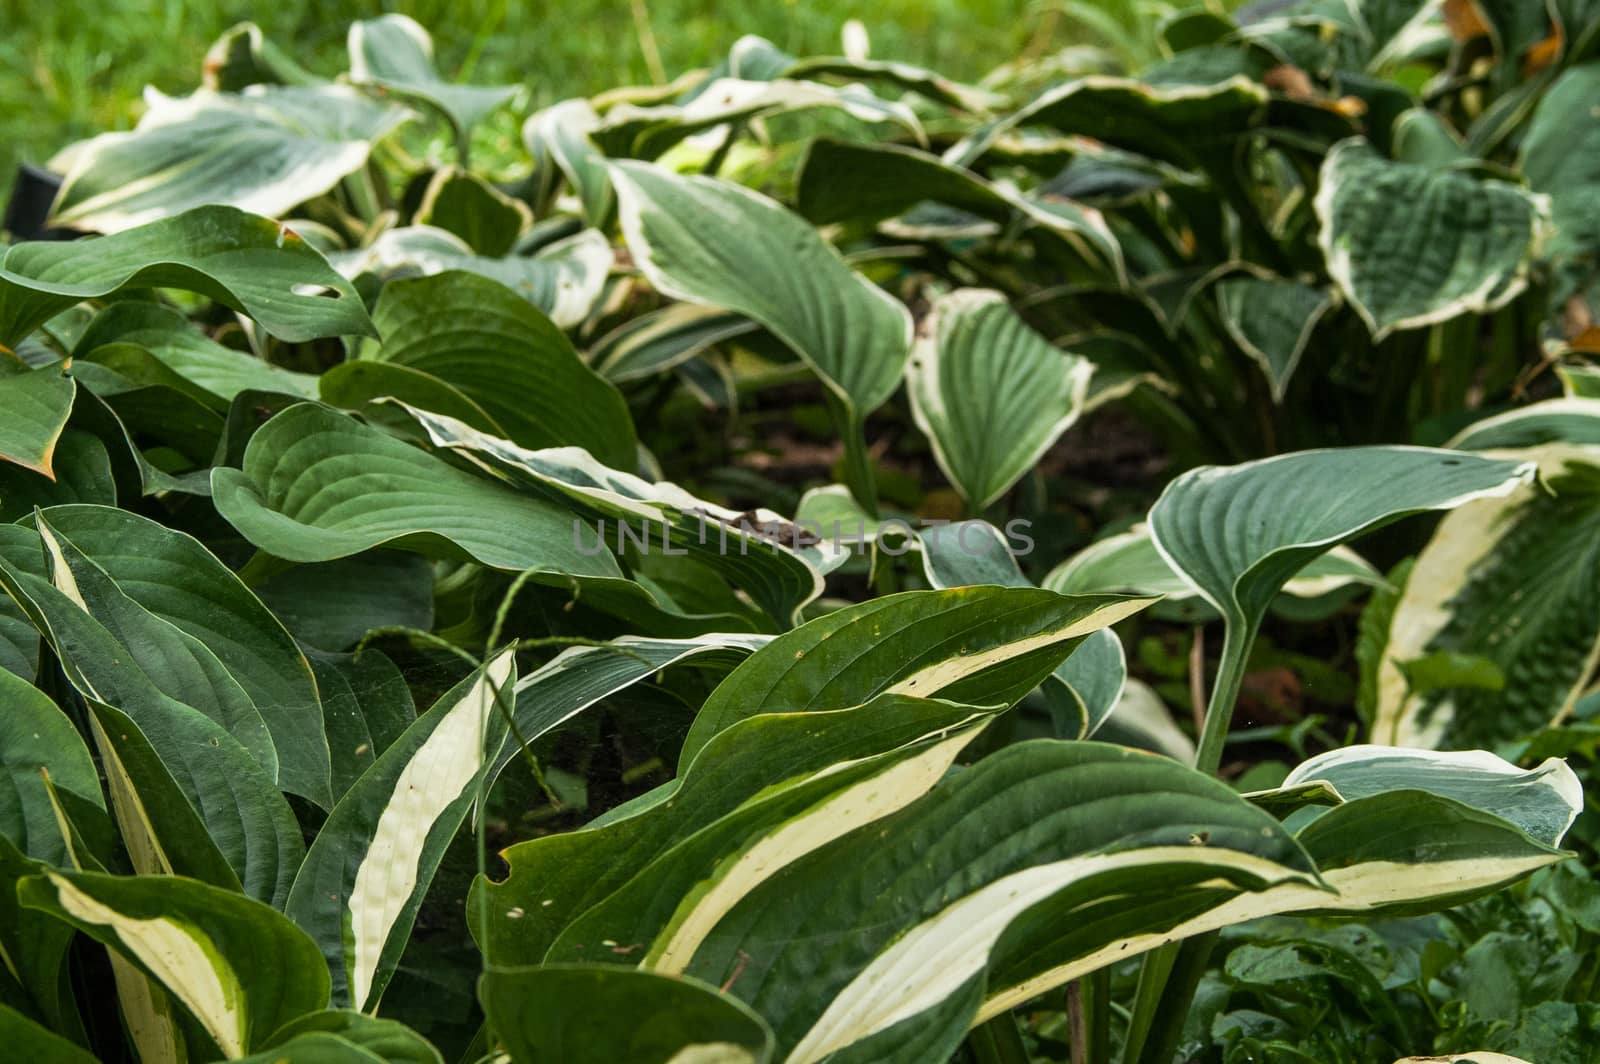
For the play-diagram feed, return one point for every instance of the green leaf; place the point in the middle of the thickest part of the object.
(84, 474)
(245, 262)
(896, 927)
(634, 871)
(1572, 419)
(331, 605)
(364, 878)
(264, 151)
(580, 677)
(239, 968)
(1085, 689)
(38, 741)
(179, 581)
(35, 405)
(570, 1013)
(979, 645)
(630, 131)
(770, 560)
(342, 1036)
(1272, 319)
(243, 56)
(662, 339)
(393, 52)
(841, 181)
(780, 274)
(1542, 802)
(187, 795)
(30, 1041)
(474, 210)
(1410, 245)
(1238, 533)
(1185, 124)
(219, 371)
(564, 279)
(507, 357)
(563, 131)
(318, 485)
(1509, 581)
(1129, 563)
(977, 365)
(1560, 157)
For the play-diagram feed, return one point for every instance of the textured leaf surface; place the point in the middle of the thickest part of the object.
(364, 877)
(395, 53)
(977, 366)
(263, 151)
(571, 1012)
(1410, 245)
(779, 272)
(981, 645)
(243, 261)
(241, 969)
(318, 485)
(1238, 533)
(34, 405)
(501, 352)
(37, 739)
(1272, 320)
(1512, 581)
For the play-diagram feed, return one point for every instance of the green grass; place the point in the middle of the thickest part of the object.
(73, 68)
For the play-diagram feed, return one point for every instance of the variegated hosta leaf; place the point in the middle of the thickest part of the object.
(629, 131)
(344, 1036)
(248, 263)
(1238, 533)
(85, 475)
(1410, 245)
(318, 485)
(265, 151)
(1542, 801)
(562, 132)
(1421, 832)
(38, 740)
(394, 53)
(1573, 419)
(243, 56)
(780, 572)
(596, 1012)
(895, 927)
(187, 795)
(1129, 562)
(502, 353)
(1083, 690)
(662, 339)
(1272, 319)
(976, 365)
(917, 79)
(762, 788)
(841, 181)
(239, 968)
(365, 875)
(182, 584)
(579, 677)
(780, 273)
(980, 645)
(219, 371)
(462, 203)
(563, 279)
(1465, 1058)
(1512, 581)
(34, 405)
(1561, 158)
(1174, 123)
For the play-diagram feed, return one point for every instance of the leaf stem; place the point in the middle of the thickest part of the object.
(1237, 637)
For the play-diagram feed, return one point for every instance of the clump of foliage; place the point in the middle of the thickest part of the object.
(391, 668)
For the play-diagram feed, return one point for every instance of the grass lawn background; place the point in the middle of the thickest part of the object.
(73, 68)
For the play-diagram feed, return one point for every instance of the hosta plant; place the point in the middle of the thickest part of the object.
(405, 653)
